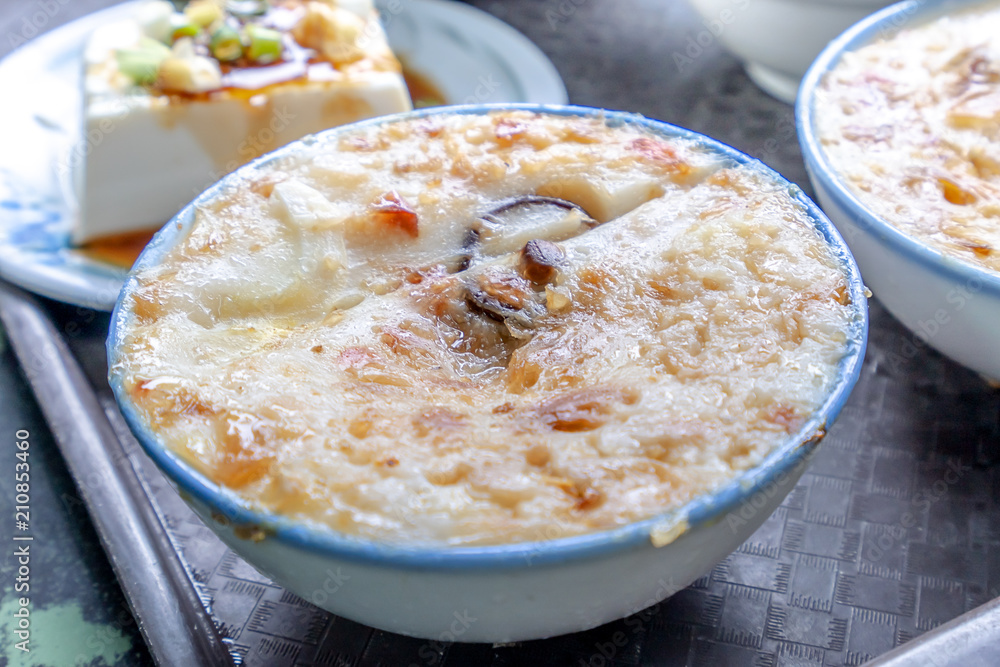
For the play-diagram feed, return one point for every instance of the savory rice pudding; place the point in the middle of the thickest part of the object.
(911, 123)
(480, 329)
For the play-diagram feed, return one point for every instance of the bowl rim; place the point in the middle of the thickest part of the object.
(705, 509)
(893, 18)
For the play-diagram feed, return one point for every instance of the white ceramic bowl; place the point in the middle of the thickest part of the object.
(948, 304)
(516, 591)
(776, 39)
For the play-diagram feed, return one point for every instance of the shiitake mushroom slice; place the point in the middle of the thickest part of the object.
(502, 295)
(539, 261)
(499, 306)
(509, 226)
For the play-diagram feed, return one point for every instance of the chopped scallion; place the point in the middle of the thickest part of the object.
(226, 44)
(181, 26)
(264, 44)
(204, 12)
(140, 65)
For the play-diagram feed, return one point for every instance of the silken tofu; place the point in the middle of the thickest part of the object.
(174, 101)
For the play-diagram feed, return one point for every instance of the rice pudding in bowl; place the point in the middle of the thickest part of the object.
(901, 135)
(488, 343)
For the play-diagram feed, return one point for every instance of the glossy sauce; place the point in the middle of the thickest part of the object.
(422, 91)
(244, 75)
(118, 250)
(294, 66)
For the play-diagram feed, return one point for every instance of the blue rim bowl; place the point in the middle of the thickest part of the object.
(703, 510)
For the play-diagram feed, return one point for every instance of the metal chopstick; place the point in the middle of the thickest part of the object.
(174, 623)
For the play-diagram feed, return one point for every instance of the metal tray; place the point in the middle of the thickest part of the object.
(893, 531)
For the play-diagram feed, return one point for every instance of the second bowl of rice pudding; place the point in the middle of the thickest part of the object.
(543, 365)
(899, 121)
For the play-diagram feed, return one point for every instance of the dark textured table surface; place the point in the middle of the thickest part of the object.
(894, 529)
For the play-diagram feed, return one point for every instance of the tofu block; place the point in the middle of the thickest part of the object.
(166, 114)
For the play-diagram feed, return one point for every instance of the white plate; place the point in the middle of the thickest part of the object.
(467, 54)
